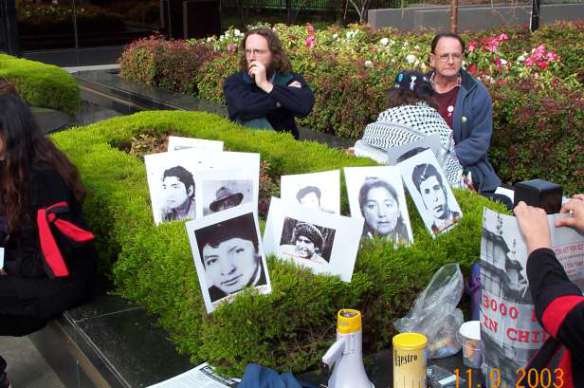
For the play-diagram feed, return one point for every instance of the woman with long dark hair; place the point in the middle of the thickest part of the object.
(47, 260)
(379, 206)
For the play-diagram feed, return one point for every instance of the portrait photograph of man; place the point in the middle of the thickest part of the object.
(172, 186)
(309, 238)
(178, 193)
(174, 180)
(305, 241)
(320, 191)
(228, 255)
(222, 194)
(431, 193)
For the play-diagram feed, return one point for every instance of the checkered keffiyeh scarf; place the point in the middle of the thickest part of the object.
(408, 123)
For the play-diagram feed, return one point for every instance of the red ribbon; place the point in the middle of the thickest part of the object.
(52, 255)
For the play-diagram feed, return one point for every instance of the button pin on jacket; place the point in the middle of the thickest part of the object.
(463, 119)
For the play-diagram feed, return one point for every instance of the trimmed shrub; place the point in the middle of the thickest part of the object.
(540, 133)
(288, 329)
(172, 65)
(42, 85)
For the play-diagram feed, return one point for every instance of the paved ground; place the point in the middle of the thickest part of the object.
(26, 367)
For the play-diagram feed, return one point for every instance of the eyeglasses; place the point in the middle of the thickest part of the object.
(445, 57)
(255, 52)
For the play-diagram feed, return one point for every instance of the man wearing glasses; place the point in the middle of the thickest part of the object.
(265, 93)
(466, 106)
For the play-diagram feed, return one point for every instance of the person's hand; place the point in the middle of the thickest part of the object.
(257, 71)
(572, 213)
(533, 224)
(295, 84)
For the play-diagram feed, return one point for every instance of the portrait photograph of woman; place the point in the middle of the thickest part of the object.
(376, 194)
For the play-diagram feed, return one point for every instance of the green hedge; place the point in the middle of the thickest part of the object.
(288, 329)
(42, 85)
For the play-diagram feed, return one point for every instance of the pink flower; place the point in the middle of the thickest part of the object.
(311, 38)
(542, 64)
(551, 56)
(502, 37)
(231, 48)
(539, 51)
(472, 45)
(491, 44)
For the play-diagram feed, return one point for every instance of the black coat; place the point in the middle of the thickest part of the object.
(559, 307)
(27, 290)
(245, 101)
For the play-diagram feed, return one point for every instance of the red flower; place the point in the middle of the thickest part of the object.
(472, 69)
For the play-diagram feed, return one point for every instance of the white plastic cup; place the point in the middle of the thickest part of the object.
(469, 336)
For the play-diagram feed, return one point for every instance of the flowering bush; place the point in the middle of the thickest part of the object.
(350, 69)
(168, 64)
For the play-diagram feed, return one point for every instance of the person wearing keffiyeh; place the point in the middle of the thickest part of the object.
(411, 116)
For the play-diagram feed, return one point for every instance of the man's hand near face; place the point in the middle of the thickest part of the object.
(257, 71)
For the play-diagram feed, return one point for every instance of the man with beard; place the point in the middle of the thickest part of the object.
(428, 182)
(265, 93)
(307, 244)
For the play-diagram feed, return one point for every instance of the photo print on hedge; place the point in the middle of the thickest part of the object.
(228, 255)
(177, 143)
(221, 190)
(172, 189)
(376, 194)
(320, 190)
(302, 241)
(168, 202)
(325, 243)
(430, 192)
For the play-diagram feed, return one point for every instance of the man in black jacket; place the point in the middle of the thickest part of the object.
(559, 304)
(265, 94)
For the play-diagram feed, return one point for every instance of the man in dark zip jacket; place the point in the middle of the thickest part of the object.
(265, 93)
(559, 304)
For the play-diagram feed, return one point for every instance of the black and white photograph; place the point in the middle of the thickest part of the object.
(376, 194)
(430, 192)
(221, 190)
(305, 241)
(228, 254)
(172, 189)
(507, 311)
(325, 243)
(320, 190)
(174, 183)
(177, 143)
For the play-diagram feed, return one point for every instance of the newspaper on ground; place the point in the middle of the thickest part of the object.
(510, 333)
(202, 376)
